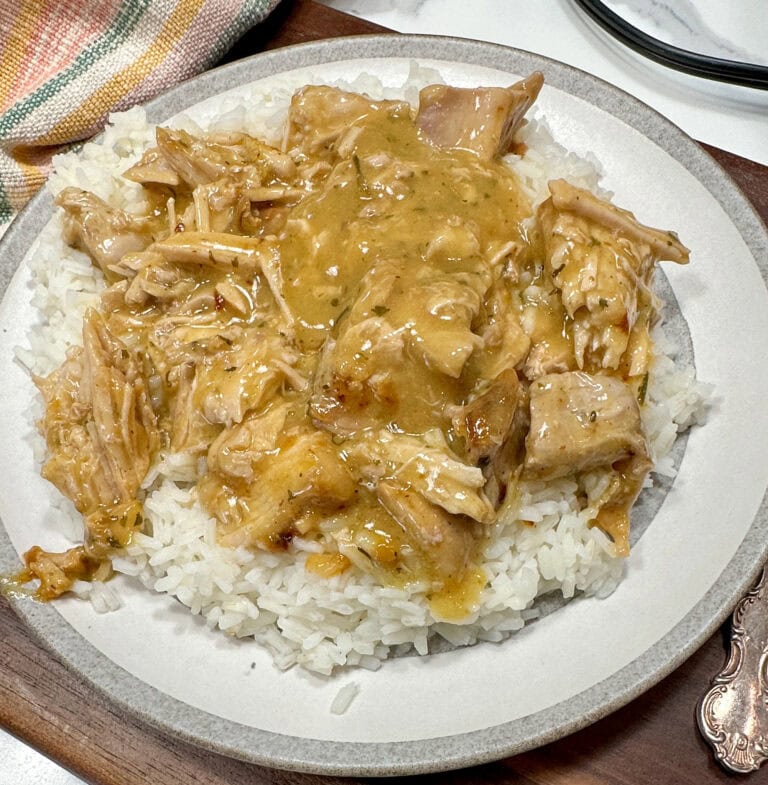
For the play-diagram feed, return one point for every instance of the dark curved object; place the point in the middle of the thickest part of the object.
(731, 71)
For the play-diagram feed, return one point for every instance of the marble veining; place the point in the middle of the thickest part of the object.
(698, 27)
(727, 116)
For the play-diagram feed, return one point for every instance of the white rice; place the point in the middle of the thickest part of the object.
(344, 698)
(542, 542)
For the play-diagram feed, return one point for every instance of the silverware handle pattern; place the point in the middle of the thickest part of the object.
(733, 714)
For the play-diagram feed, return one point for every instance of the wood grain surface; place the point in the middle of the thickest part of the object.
(652, 740)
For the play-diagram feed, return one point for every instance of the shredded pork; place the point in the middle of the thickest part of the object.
(362, 339)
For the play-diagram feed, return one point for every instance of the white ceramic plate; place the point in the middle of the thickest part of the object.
(706, 542)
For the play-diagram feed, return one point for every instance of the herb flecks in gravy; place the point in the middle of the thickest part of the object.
(363, 339)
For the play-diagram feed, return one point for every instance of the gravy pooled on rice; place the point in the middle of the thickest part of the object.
(366, 339)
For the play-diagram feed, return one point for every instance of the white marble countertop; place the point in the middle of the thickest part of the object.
(730, 117)
(21, 765)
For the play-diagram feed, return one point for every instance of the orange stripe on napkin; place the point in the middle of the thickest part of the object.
(34, 180)
(204, 34)
(26, 175)
(14, 46)
(43, 61)
(89, 113)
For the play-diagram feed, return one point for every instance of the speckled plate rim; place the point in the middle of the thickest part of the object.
(411, 757)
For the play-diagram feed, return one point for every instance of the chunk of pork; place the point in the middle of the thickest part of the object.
(580, 422)
(99, 425)
(483, 120)
(297, 484)
(103, 232)
(443, 540)
(601, 260)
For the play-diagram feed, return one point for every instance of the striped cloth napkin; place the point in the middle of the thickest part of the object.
(66, 64)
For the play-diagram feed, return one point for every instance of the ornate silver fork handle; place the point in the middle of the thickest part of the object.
(733, 715)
